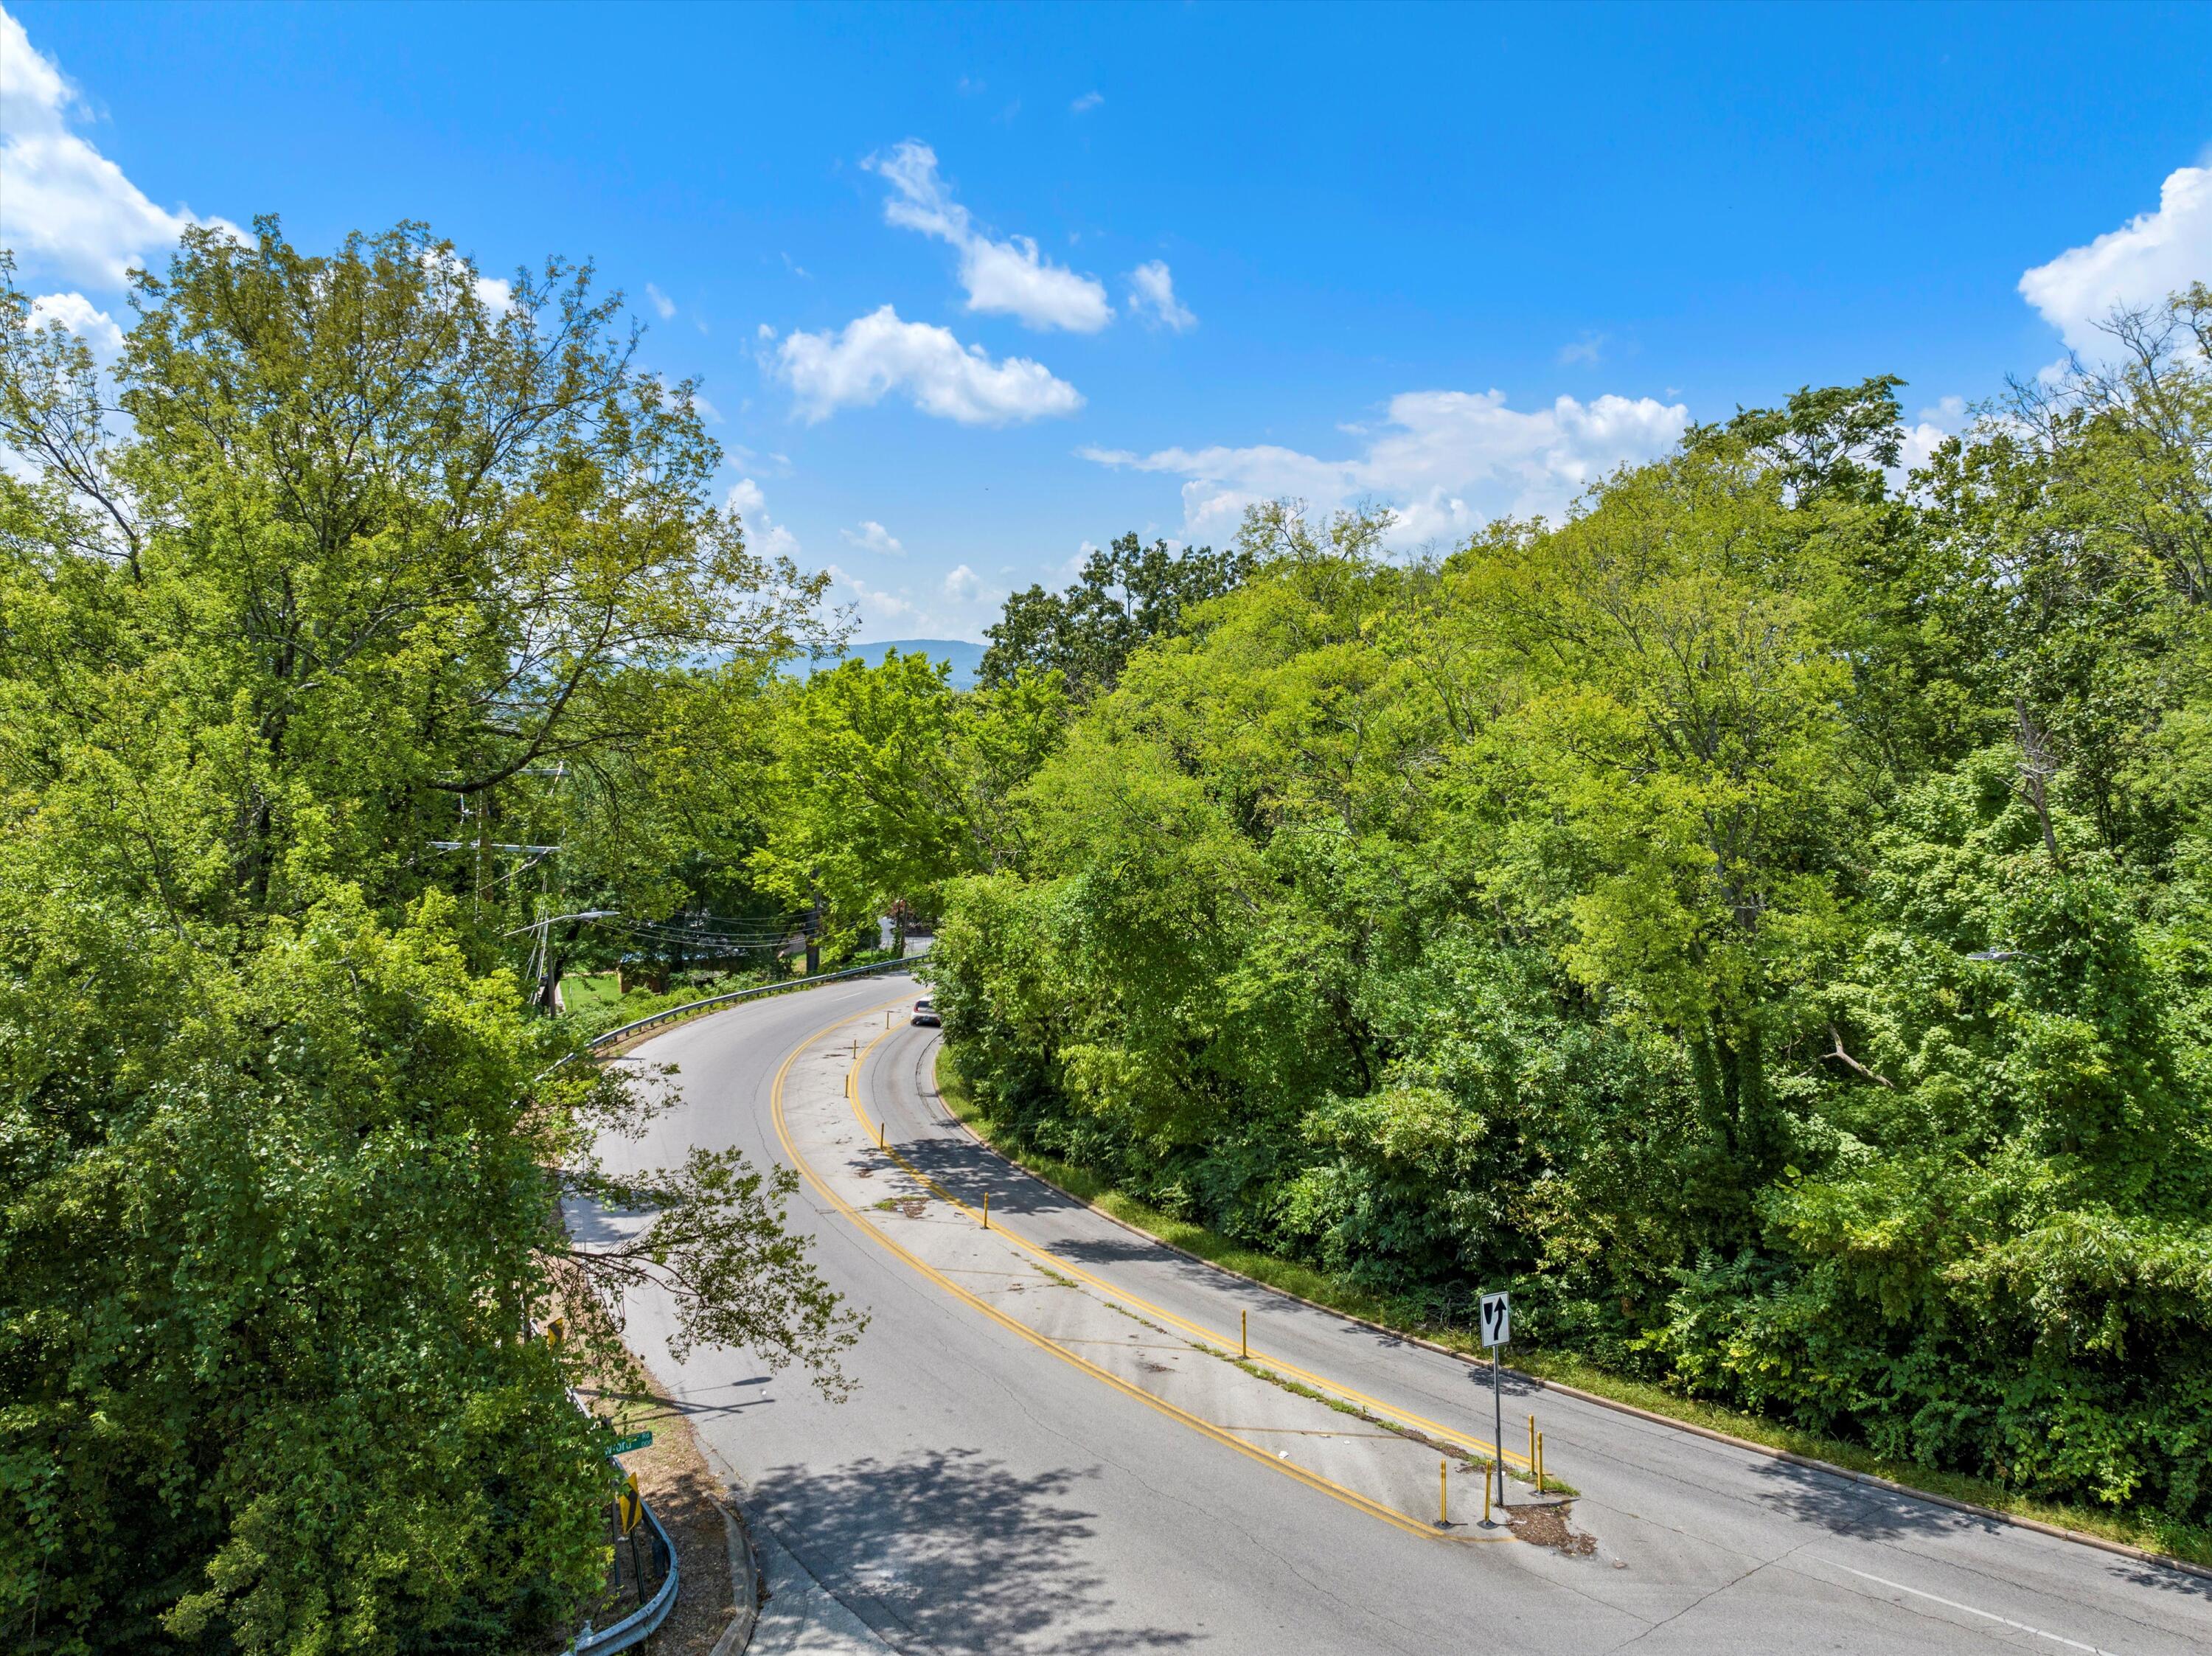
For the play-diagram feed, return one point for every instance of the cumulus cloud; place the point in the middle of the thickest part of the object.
(65, 206)
(1152, 293)
(766, 537)
(81, 317)
(961, 604)
(2137, 265)
(1447, 462)
(1008, 277)
(878, 354)
(495, 294)
(662, 302)
(873, 536)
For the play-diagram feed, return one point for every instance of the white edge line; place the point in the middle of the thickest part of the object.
(1987, 1616)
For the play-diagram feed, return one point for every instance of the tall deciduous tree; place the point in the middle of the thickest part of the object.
(365, 557)
(1127, 592)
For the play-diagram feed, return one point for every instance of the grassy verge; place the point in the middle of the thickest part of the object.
(581, 990)
(1319, 1286)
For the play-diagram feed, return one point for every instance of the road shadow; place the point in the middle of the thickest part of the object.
(1843, 1506)
(1847, 1508)
(955, 1552)
(697, 1404)
(2160, 1577)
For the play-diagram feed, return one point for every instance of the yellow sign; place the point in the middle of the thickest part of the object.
(557, 1331)
(630, 1505)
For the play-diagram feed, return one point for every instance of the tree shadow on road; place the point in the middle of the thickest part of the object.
(952, 1550)
(1843, 1506)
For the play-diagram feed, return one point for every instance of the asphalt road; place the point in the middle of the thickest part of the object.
(1051, 1448)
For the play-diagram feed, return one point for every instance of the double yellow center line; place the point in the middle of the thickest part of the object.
(1181, 1416)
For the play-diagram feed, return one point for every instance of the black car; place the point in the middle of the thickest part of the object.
(925, 1013)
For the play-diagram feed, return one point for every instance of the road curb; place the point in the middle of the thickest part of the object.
(1788, 1457)
(745, 1583)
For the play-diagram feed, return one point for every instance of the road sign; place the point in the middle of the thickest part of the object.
(1497, 1318)
(634, 1440)
(629, 1507)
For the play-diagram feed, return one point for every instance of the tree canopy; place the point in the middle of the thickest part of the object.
(351, 583)
(1128, 592)
(1762, 919)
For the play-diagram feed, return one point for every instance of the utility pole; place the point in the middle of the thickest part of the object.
(544, 963)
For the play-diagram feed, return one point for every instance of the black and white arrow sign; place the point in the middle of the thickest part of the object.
(1497, 1318)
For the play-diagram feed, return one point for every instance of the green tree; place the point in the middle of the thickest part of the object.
(350, 580)
(890, 782)
(1763, 916)
(1126, 593)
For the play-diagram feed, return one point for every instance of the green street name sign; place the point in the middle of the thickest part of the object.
(634, 1440)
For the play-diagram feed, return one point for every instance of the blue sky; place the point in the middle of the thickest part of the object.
(970, 288)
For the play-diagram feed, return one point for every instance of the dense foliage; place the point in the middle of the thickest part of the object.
(1126, 593)
(363, 584)
(1762, 919)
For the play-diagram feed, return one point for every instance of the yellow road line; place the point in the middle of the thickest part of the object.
(1182, 1417)
(1319, 1382)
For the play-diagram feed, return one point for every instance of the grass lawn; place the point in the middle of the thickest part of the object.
(1567, 1369)
(582, 992)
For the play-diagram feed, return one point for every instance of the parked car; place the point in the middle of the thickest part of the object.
(925, 1013)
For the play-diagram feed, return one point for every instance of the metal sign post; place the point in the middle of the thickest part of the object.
(1497, 1330)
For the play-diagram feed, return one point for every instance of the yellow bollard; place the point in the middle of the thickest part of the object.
(1443, 1498)
(1244, 1335)
(1532, 1443)
(1486, 1498)
(986, 1209)
(1540, 1463)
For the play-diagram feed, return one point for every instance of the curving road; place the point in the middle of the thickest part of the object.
(1053, 1448)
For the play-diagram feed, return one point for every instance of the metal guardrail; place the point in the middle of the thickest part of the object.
(757, 992)
(641, 1623)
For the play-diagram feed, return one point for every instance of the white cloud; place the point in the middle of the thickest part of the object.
(65, 206)
(81, 317)
(959, 605)
(493, 294)
(1922, 440)
(876, 353)
(1087, 103)
(873, 536)
(662, 302)
(1447, 462)
(1152, 288)
(762, 533)
(2138, 264)
(878, 609)
(1009, 277)
(1943, 419)
(1588, 350)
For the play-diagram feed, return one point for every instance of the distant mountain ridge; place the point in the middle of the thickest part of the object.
(966, 659)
